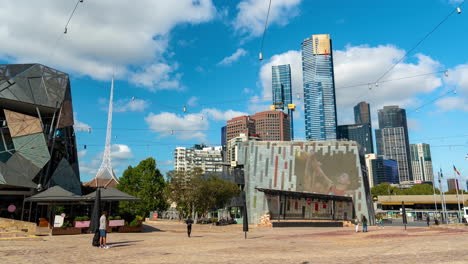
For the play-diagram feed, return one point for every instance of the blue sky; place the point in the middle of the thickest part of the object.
(204, 55)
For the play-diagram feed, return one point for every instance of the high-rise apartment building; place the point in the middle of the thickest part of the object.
(239, 125)
(392, 140)
(319, 88)
(199, 156)
(361, 133)
(282, 93)
(272, 126)
(421, 162)
(384, 170)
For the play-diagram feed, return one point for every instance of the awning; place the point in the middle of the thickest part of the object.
(304, 195)
(112, 194)
(55, 194)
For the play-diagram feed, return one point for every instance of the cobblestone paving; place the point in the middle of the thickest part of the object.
(166, 242)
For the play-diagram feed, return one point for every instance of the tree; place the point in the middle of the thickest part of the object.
(213, 193)
(454, 191)
(144, 181)
(384, 189)
(181, 189)
(194, 191)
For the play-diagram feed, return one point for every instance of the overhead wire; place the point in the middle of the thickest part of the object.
(260, 55)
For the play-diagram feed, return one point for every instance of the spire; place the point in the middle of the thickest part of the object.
(105, 176)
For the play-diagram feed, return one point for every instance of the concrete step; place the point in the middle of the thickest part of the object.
(12, 234)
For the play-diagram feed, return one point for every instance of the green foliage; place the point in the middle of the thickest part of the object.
(190, 190)
(59, 209)
(417, 189)
(144, 181)
(81, 218)
(66, 224)
(454, 191)
(136, 221)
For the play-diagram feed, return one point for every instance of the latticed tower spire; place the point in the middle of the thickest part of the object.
(105, 176)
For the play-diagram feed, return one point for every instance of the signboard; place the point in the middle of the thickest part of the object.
(58, 222)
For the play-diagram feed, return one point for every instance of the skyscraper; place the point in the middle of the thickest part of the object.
(392, 139)
(282, 92)
(421, 162)
(361, 133)
(319, 88)
(384, 170)
(362, 113)
(272, 126)
(451, 184)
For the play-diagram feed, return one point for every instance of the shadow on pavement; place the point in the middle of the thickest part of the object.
(149, 229)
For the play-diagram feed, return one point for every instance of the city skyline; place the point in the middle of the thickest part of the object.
(184, 62)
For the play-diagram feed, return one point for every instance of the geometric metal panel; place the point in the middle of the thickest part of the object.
(66, 115)
(18, 171)
(33, 147)
(21, 124)
(65, 177)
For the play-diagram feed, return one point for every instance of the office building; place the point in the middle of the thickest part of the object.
(272, 126)
(384, 170)
(239, 125)
(361, 133)
(362, 113)
(451, 184)
(209, 159)
(421, 162)
(392, 140)
(282, 93)
(369, 158)
(319, 88)
(233, 147)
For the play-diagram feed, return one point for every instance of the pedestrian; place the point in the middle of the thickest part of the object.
(102, 230)
(356, 222)
(189, 223)
(381, 223)
(436, 221)
(428, 220)
(364, 223)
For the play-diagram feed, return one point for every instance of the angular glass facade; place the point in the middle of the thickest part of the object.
(319, 88)
(362, 113)
(361, 133)
(282, 91)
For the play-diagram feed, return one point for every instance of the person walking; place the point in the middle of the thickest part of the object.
(364, 223)
(381, 223)
(356, 222)
(189, 223)
(102, 230)
(428, 220)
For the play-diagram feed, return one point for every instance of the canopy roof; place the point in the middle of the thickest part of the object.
(112, 194)
(55, 194)
(294, 194)
(58, 194)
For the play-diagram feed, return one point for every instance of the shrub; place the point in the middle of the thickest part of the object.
(134, 223)
(66, 224)
(117, 218)
(81, 218)
(111, 218)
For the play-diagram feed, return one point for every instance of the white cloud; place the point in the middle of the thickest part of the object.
(192, 101)
(218, 115)
(129, 105)
(247, 91)
(120, 155)
(458, 77)
(185, 127)
(165, 163)
(453, 104)
(80, 126)
(82, 154)
(233, 58)
(250, 20)
(98, 42)
(414, 124)
(158, 76)
(364, 64)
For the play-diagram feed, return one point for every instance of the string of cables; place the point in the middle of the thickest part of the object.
(375, 84)
(260, 55)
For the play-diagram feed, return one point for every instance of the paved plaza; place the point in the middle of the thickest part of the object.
(167, 242)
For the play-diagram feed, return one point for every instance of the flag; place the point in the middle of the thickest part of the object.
(441, 175)
(455, 169)
(466, 157)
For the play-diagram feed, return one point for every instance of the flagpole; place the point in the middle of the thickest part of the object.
(441, 197)
(458, 199)
(435, 202)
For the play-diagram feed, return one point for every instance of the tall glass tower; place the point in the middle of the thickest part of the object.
(282, 92)
(319, 88)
